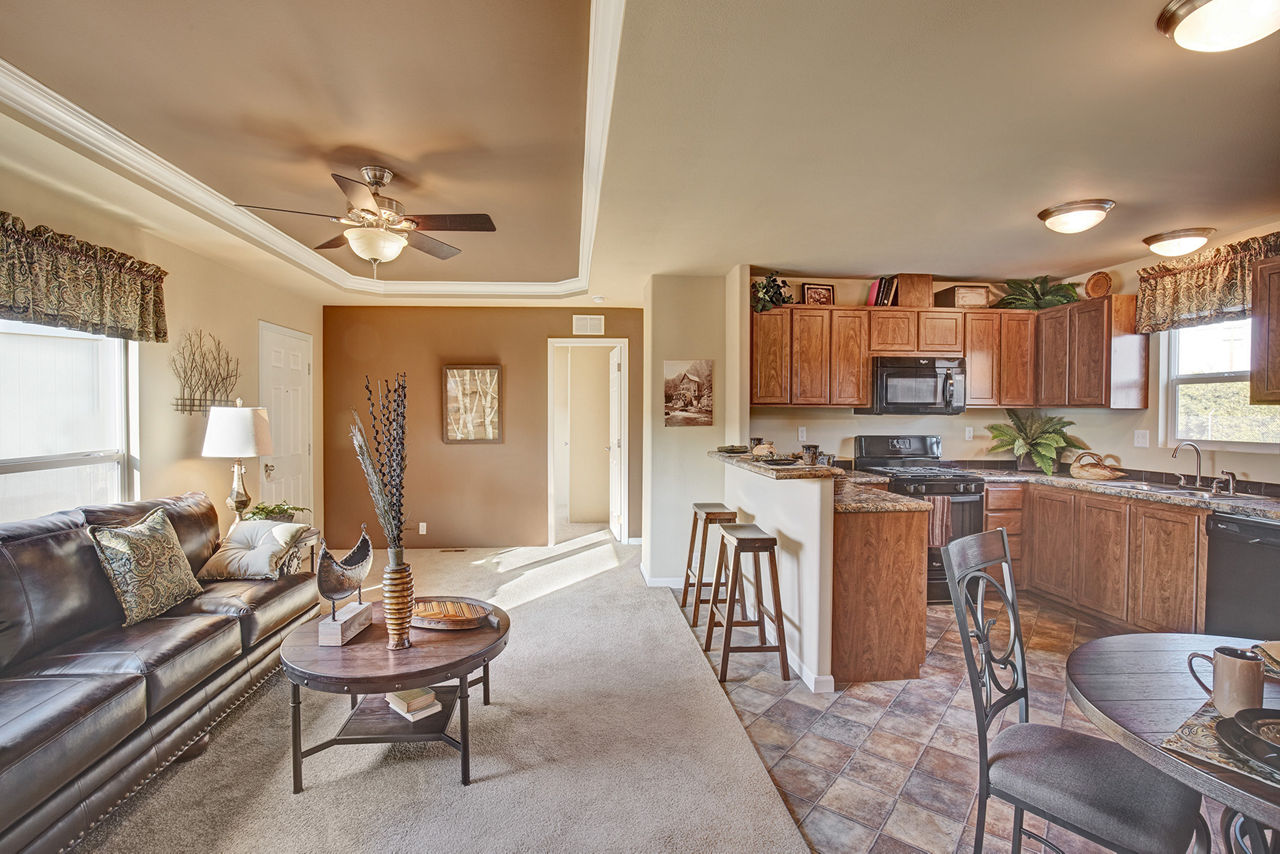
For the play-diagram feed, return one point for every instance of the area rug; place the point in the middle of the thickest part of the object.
(607, 732)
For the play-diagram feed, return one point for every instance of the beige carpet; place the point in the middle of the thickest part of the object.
(608, 732)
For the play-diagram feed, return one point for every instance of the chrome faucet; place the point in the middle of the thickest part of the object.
(1183, 478)
(1231, 478)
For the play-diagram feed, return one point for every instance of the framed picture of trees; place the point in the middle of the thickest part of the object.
(472, 406)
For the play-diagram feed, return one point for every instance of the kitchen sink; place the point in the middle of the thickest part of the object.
(1182, 491)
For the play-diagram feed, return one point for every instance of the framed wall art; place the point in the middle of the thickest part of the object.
(472, 405)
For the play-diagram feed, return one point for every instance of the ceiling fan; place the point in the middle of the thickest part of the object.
(379, 227)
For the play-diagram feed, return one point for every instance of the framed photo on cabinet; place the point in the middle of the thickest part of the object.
(811, 294)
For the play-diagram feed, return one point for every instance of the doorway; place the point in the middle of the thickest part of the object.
(587, 438)
(284, 388)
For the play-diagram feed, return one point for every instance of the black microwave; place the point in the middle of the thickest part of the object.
(911, 385)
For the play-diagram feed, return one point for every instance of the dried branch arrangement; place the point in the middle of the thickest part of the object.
(381, 452)
(206, 371)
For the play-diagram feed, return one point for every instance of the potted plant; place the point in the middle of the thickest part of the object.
(770, 292)
(1035, 439)
(282, 512)
(1037, 293)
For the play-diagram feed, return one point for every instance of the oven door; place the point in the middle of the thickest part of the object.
(920, 387)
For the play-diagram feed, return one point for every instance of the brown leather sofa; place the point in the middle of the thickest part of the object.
(90, 710)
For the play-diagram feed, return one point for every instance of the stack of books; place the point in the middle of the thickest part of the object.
(883, 291)
(415, 704)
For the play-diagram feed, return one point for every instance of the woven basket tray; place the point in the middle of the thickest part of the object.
(1082, 469)
(448, 614)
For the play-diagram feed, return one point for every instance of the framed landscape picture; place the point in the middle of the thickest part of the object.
(811, 294)
(472, 406)
(687, 394)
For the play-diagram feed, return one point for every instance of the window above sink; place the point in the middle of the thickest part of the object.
(1208, 391)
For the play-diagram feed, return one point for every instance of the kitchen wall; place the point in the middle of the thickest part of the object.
(200, 292)
(684, 319)
(468, 495)
(1107, 431)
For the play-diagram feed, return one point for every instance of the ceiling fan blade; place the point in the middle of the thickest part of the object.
(431, 246)
(333, 242)
(357, 192)
(452, 222)
(329, 217)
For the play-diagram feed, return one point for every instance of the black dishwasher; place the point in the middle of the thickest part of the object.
(1242, 591)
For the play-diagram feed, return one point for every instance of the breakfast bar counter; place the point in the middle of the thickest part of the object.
(851, 567)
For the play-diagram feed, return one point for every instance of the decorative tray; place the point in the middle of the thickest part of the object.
(778, 462)
(447, 613)
(732, 449)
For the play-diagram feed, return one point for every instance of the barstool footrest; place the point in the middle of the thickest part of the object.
(773, 647)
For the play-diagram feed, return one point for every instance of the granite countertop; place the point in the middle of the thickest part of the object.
(1260, 508)
(852, 498)
(794, 472)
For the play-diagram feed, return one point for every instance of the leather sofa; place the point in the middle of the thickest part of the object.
(89, 710)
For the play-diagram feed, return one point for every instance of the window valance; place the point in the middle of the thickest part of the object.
(1206, 287)
(57, 280)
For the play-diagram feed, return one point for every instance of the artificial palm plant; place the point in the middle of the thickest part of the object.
(1034, 437)
(1037, 293)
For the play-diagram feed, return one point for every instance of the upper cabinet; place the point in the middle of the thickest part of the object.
(810, 356)
(1089, 354)
(941, 332)
(893, 331)
(1017, 368)
(850, 358)
(982, 358)
(771, 357)
(1264, 375)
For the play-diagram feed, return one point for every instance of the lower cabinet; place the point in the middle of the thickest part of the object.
(1167, 549)
(1129, 560)
(1002, 508)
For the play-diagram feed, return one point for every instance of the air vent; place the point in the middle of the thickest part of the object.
(588, 324)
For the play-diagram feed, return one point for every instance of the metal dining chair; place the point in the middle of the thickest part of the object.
(1087, 785)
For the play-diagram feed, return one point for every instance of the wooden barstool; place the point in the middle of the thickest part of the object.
(708, 513)
(744, 539)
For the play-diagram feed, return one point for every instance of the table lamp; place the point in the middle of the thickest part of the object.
(237, 432)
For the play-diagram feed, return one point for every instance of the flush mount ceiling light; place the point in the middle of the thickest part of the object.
(1216, 25)
(1178, 242)
(375, 244)
(1074, 217)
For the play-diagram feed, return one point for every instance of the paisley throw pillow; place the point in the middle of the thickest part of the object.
(146, 566)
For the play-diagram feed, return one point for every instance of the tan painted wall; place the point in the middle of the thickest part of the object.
(588, 434)
(684, 319)
(199, 292)
(469, 495)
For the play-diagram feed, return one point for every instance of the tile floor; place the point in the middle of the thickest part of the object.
(888, 767)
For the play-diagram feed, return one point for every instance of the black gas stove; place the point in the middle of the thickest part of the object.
(914, 467)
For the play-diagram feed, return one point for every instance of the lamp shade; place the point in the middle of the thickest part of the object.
(375, 244)
(237, 432)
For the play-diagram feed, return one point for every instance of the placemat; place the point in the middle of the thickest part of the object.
(1198, 738)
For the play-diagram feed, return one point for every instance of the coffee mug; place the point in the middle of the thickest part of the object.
(755, 440)
(1237, 679)
(809, 454)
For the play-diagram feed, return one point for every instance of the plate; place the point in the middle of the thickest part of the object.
(778, 463)
(732, 449)
(1262, 723)
(1098, 285)
(448, 612)
(1248, 745)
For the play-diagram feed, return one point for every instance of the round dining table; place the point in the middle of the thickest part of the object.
(1137, 689)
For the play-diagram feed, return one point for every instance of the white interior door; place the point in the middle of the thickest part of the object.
(284, 388)
(615, 444)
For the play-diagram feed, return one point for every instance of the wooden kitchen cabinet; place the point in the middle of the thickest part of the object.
(893, 331)
(1052, 540)
(982, 358)
(810, 356)
(1002, 508)
(941, 332)
(1102, 554)
(1167, 553)
(850, 358)
(1089, 359)
(1016, 371)
(1053, 348)
(771, 357)
(1264, 373)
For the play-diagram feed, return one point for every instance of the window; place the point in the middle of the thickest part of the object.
(1209, 389)
(62, 420)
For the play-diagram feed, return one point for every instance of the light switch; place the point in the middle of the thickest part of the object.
(1142, 438)
(968, 434)
(803, 434)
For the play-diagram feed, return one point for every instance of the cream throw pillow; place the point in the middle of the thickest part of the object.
(146, 566)
(256, 549)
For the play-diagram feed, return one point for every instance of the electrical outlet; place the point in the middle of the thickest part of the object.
(1142, 438)
(968, 434)
(803, 434)
(422, 527)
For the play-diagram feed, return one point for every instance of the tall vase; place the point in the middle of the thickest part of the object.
(397, 599)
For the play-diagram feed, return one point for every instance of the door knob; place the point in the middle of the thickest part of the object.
(267, 469)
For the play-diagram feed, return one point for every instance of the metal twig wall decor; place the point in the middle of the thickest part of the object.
(206, 371)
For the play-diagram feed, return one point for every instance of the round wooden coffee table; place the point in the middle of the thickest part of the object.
(366, 670)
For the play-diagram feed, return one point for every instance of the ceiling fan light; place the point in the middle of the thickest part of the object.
(1210, 26)
(1075, 217)
(1179, 242)
(375, 244)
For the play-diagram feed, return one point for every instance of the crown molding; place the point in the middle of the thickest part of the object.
(39, 107)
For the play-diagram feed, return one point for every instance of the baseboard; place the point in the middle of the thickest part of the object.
(818, 684)
(670, 581)
(635, 541)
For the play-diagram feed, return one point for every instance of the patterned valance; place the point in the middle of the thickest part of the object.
(1206, 287)
(56, 280)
